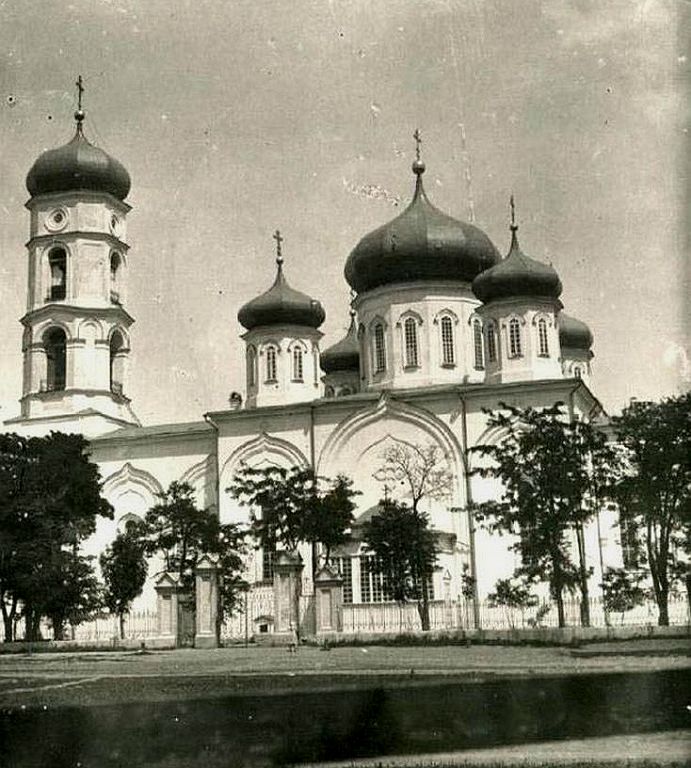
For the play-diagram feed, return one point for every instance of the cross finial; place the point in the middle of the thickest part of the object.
(279, 252)
(418, 141)
(512, 203)
(80, 91)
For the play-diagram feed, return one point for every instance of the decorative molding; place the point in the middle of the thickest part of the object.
(263, 445)
(130, 477)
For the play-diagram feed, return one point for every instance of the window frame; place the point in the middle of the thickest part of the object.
(515, 340)
(478, 345)
(271, 364)
(542, 338)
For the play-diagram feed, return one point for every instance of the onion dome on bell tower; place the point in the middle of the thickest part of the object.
(76, 328)
(78, 165)
(282, 342)
(422, 243)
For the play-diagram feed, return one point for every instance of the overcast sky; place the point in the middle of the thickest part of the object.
(235, 117)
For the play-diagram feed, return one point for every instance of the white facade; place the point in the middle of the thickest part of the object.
(428, 370)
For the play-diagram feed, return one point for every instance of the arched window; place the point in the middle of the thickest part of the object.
(115, 263)
(491, 343)
(329, 391)
(410, 337)
(345, 392)
(514, 338)
(251, 367)
(271, 364)
(577, 372)
(57, 260)
(379, 349)
(477, 345)
(448, 352)
(116, 362)
(543, 345)
(297, 364)
(55, 344)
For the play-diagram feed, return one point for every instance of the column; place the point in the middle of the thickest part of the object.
(206, 589)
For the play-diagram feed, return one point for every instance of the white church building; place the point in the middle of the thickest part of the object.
(442, 327)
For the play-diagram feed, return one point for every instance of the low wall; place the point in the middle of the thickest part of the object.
(540, 636)
(114, 644)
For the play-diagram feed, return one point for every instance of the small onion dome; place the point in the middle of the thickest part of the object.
(281, 305)
(517, 275)
(78, 165)
(422, 243)
(344, 355)
(573, 333)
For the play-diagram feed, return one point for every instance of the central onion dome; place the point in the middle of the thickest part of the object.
(517, 275)
(573, 333)
(344, 355)
(78, 165)
(422, 243)
(281, 304)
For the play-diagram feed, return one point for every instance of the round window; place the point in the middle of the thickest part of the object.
(56, 220)
(114, 224)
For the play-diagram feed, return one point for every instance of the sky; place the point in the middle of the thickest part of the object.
(235, 118)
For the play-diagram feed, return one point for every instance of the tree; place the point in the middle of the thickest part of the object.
(653, 492)
(511, 595)
(294, 505)
(181, 533)
(555, 475)
(622, 590)
(423, 471)
(50, 499)
(405, 553)
(124, 569)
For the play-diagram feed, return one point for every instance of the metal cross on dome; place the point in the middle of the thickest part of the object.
(279, 251)
(80, 91)
(418, 141)
(512, 203)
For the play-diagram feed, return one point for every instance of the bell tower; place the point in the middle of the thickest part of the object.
(76, 328)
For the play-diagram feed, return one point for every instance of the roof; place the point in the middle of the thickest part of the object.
(281, 305)
(422, 243)
(517, 275)
(158, 430)
(344, 355)
(78, 165)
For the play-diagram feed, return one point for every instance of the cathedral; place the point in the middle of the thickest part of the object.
(442, 327)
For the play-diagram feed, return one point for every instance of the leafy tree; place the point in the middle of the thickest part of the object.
(294, 506)
(50, 499)
(512, 595)
(622, 590)
(72, 594)
(124, 569)
(405, 553)
(555, 475)
(181, 533)
(653, 491)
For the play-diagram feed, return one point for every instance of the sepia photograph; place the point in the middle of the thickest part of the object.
(345, 383)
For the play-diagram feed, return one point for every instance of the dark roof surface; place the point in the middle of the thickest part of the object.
(281, 305)
(517, 275)
(75, 166)
(344, 355)
(422, 243)
(573, 333)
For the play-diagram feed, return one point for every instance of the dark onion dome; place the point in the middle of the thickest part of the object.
(281, 305)
(78, 165)
(517, 275)
(422, 243)
(573, 333)
(344, 355)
